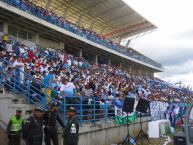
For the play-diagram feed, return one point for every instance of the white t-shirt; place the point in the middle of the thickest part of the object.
(87, 92)
(9, 48)
(15, 63)
(44, 69)
(61, 57)
(69, 62)
(21, 69)
(69, 87)
(22, 50)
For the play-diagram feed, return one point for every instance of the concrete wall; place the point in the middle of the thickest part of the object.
(107, 134)
(48, 43)
(5, 113)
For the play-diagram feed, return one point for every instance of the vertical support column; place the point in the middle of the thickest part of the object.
(139, 72)
(109, 61)
(96, 59)
(128, 42)
(119, 41)
(62, 46)
(27, 38)
(121, 65)
(5, 28)
(80, 53)
(17, 34)
(37, 39)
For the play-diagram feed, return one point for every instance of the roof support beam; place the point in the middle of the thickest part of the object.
(78, 22)
(96, 5)
(114, 10)
(128, 42)
(92, 24)
(128, 28)
(103, 29)
(69, 4)
(117, 18)
(87, 10)
(48, 4)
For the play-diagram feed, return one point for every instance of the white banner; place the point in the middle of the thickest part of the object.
(157, 107)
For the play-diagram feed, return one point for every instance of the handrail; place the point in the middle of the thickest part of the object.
(3, 125)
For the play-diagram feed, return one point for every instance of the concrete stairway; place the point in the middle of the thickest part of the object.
(9, 103)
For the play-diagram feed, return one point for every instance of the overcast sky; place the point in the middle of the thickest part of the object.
(172, 43)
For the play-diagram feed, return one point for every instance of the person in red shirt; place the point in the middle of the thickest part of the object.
(31, 55)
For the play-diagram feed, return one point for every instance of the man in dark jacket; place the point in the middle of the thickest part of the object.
(71, 131)
(50, 117)
(32, 130)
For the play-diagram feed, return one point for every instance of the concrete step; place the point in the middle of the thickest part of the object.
(28, 112)
(18, 100)
(6, 96)
(27, 109)
(22, 106)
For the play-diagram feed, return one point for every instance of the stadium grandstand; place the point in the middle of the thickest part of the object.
(65, 30)
(76, 45)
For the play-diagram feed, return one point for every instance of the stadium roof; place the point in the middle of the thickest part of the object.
(113, 19)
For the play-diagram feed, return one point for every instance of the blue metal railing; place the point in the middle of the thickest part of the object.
(60, 22)
(90, 110)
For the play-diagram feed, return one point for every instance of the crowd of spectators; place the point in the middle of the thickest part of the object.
(75, 76)
(52, 17)
(57, 74)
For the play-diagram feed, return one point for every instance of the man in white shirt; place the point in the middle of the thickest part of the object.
(67, 88)
(69, 62)
(9, 47)
(87, 91)
(18, 64)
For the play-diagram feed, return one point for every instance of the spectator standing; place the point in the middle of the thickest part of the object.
(167, 113)
(48, 81)
(67, 88)
(173, 117)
